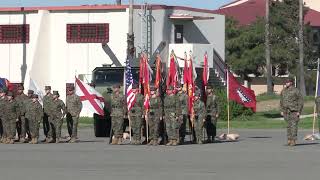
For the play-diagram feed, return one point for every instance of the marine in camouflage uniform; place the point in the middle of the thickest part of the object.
(154, 115)
(21, 99)
(183, 117)
(2, 103)
(317, 101)
(136, 115)
(58, 110)
(47, 117)
(172, 110)
(117, 114)
(212, 114)
(34, 114)
(291, 105)
(74, 107)
(199, 117)
(10, 117)
(26, 104)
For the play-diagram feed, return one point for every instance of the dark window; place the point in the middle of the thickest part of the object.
(178, 34)
(88, 33)
(14, 33)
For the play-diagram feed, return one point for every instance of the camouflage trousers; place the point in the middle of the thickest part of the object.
(136, 124)
(184, 124)
(117, 121)
(292, 128)
(34, 128)
(153, 123)
(22, 125)
(172, 126)
(72, 123)
(45, 124)
(55, 127)
(9, 127)
(198, 125)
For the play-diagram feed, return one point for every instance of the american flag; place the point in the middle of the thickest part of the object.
(131, 97)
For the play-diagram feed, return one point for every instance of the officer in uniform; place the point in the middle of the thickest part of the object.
(117, 114)
(199, 117)
(291, 105)
(2, 103)
(183, 117)
(27, 103)
(212, 114)
(21, 99)
(47, 100)
(34, 114)
(136, 116)
(153, 116)
(74, 106)
(58, 110)
(11, 114)
(171, 111)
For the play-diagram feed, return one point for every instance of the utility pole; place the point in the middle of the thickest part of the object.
(301, 64)
(267, 44)
(130, 36)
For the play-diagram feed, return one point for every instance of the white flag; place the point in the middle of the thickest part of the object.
(90, 98)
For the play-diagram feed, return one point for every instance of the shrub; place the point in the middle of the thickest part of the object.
(236, 110)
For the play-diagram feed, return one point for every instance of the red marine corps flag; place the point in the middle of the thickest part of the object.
(90, 98)
(158, 71)
(205, 73)
(173, 72)
(240, 94)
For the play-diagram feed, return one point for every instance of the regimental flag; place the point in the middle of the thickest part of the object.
(5, 84)
(158, 71)
(90, 98)
(240, 94)
(191, 76)
(172, 77)
(131, 97)
(205, 73)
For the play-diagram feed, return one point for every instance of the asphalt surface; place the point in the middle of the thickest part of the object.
(259, 155)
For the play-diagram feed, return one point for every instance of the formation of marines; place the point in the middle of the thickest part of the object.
(168, 117)
(21, 115)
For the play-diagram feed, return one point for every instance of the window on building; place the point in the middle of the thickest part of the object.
(88, 33)
(14, 33)
(178, 34)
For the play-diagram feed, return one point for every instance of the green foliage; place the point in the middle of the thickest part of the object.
(236, 110)
(245, 47)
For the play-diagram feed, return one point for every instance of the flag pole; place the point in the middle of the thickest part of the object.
(228, 101)
(314, 108)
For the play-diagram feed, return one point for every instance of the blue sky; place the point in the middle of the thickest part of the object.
(207, 4)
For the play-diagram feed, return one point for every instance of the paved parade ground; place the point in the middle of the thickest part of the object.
(259, 155)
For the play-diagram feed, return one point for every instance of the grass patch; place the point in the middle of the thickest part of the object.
(86, 120)
(266, 97)
(305, 123)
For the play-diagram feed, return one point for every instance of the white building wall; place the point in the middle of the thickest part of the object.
(12, 54)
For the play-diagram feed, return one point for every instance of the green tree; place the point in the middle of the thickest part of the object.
(245, 48)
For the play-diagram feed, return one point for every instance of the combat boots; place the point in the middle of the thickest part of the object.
(199, 141)
(151, 143)
(73, 140)
(174, 142)
(57, 140)
(11, 141)
(22, 140)
(169, 143)
(293, 142)
(114, 141)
